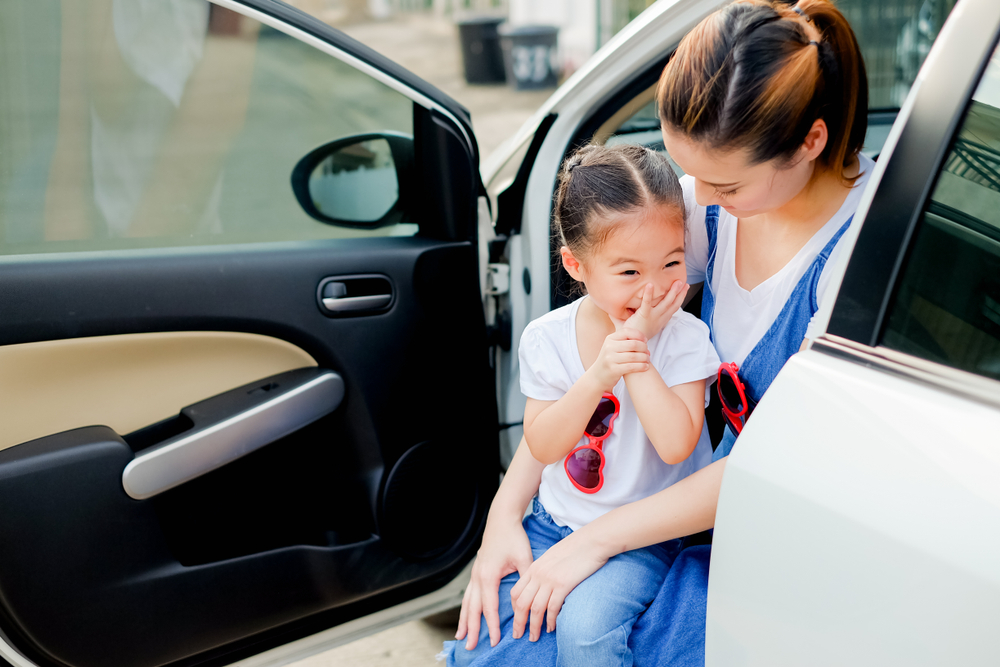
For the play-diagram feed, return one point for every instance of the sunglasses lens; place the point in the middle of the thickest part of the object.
(729, 393)
(584, 466)
(601, 420)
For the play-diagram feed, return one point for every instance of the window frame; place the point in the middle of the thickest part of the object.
(909, 166)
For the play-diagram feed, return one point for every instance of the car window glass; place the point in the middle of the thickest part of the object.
(165, 123)
(895, 37)
(947, 305)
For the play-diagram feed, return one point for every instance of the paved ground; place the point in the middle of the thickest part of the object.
(429, 47)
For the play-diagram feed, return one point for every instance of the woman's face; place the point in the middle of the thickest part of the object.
(729, 180)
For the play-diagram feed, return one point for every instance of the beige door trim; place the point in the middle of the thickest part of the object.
(127, 382)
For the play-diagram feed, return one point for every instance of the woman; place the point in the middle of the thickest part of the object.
(764, 106)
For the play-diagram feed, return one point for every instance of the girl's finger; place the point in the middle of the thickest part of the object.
(647, 300)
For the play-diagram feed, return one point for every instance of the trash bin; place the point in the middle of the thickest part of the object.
(530, 56)
(481, 54)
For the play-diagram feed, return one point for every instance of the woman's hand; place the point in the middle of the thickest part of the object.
(649, 319)
(505, 549)
(623, 352)
(543, 588)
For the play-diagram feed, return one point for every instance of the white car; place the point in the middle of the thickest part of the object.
(258, 304)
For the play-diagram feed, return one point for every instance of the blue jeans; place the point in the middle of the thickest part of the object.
(597, 616)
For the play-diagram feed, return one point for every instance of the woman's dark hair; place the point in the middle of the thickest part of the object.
(757, 74)
(596, 181)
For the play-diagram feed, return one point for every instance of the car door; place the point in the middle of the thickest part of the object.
(245, 389)
(858, 520)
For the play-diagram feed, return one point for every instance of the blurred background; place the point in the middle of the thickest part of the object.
(455, 45)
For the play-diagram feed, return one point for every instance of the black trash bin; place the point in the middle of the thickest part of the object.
(530, 55)
(481, 54)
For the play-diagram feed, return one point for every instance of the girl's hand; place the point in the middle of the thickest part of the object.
(505, 549)
(541, 591)
(650, 319)
(623, 352)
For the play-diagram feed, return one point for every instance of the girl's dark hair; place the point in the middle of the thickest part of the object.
(596, 181)
(758, 73)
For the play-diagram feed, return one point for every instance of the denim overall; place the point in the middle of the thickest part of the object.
(672, 630)
(784, 337)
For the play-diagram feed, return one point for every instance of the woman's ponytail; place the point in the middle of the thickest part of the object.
(846, 109)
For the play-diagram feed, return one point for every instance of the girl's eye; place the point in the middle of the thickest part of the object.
(630, 272)
(674, 263)
(728, 193)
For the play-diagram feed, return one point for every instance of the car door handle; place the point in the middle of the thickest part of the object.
(343, 304)
(365, 294)
(231, 425)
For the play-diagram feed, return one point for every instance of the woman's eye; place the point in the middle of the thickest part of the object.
(728, 193)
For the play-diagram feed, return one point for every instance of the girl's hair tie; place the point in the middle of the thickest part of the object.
(572, 164)
(814, 43)
(801, 13)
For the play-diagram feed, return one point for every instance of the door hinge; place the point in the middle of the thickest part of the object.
(497, 279)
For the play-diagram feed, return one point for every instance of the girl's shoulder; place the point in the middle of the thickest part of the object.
(684, 351)
(685, 326)
(553, 324)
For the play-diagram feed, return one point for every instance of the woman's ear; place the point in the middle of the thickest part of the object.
(570, 263)
(815, 141)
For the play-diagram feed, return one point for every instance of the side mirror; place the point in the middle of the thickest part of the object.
(358, 181)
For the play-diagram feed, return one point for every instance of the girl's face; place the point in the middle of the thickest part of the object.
(646, 246)
(729, 180)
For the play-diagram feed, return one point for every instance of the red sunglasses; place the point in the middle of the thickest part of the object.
(585, 464)
(736, 405)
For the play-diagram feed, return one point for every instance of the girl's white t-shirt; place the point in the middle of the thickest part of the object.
(550, 365)
(742, 317)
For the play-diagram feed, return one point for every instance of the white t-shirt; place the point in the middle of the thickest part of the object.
(742, 317)
(550, 365)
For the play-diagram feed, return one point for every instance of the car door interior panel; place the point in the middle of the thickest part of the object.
(381, 481)
(224, 428)
(102, 379)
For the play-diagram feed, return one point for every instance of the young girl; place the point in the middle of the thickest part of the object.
(620, 371)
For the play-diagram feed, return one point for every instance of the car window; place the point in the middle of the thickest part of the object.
(947, 305)
(166, 123)
(895, 37)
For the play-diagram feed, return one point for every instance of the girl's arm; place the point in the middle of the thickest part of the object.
(685, 508)
(670, 416)
(505, 548)
(552, 428)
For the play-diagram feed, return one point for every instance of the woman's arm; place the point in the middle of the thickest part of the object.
(685, 508)
(505, 548)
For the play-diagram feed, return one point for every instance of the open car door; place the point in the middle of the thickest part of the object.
(245, 393)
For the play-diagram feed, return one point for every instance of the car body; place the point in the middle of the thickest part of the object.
(237, 434)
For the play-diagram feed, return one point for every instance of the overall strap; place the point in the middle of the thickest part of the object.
(785, 336)
(707, 296)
